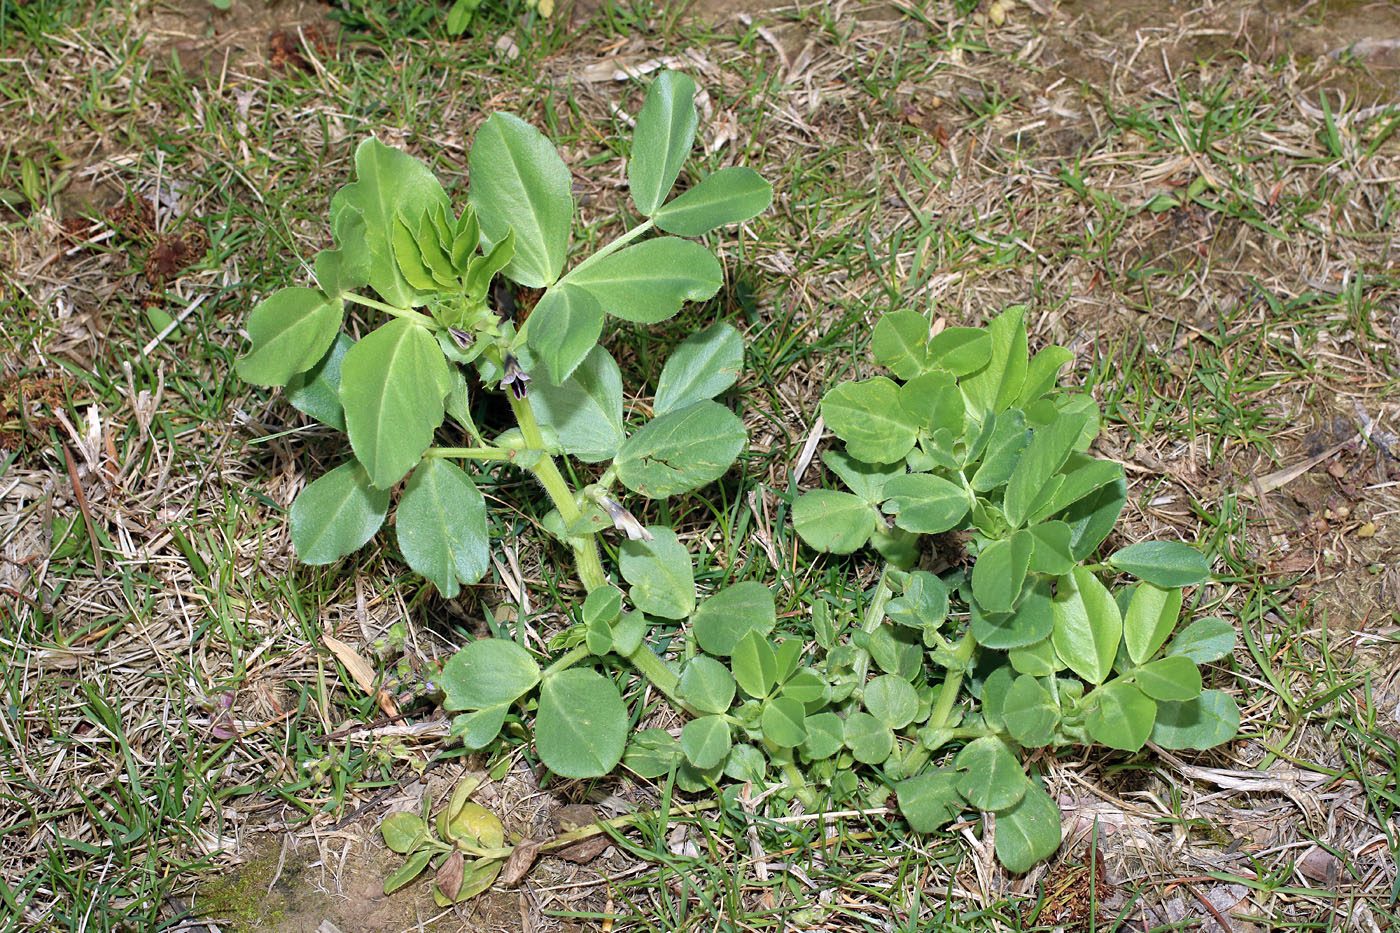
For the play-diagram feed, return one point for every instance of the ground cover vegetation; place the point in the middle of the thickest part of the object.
(822, 570)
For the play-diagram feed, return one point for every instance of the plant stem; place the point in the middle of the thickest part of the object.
(654, 669)
(952, 684)
(566, 661)
(420, 319)
(587, 562)
(608, 250)
(476, 453)
(874, 616)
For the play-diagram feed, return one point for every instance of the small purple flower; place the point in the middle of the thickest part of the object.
(462, 338)
(515, 379)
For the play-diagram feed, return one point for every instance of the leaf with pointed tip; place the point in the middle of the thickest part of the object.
(703, 366)
(1088, 625)
(662, 140)
(392, 386)
(1164, 563)
(585, 412)
(291, 330)
(729, 196)
(518, 181)
(388, 183)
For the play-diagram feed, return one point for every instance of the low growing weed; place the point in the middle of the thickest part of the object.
(924, 695)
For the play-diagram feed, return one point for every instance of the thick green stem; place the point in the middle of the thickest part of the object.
(587, 562)
(420, 319)
(654, 669)
(952, 684)
(479, 453)
(566, 661)
(874, 617)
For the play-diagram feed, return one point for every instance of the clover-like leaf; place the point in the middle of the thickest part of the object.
(1029, 831)
(518, 182)
(990, 776)
(930, 800)
(832, 521)
(662, 139)
(1204, 640)
(1209, 720)
(729, 196)
(868, 416)
(1088, 626)
(662, 578)
(681, 450)
(1119, 715)
(647, 283)
(706, 741)
(291, 331)
(1150, 618)
(486, 673)
(581, 728)
(731, 613)
(1164, 563)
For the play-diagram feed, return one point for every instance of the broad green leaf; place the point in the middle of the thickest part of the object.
(730, 614)
(869, 740)
(662, 139)
(1029, 831)
(408, 870)
(1150, 618)
(1048, 450)
(1051, 554)
(681, 450)
(563, 329)
(891, 700)
(441, 526)
(581, 727)
(991, 777)
(1203, 641)
(783, 722)
(924, 503)
(1005, 444)
(900, 342)
(1082, 475)
(693, 780)
(387, 183)
(729, 196)
(1041, 374)
(996, 385)
(993, 696)
(755, 665)
(1033, 620)
(1030, 712)
(1037, 659)
(1001, 570)
(706, 741)
(870, 419)
(604, 604)
(929, 801)
(403, 831)
(1093, 517)
(1205, 722)
(649, 282)
(789, 655)
(707, 685)
(291, 331)
(825, 736)
(518, 182)
(746, 763)
(1088, 626)
(585, 412)
(936, 404)
(896, 651)
(1164, 563)
(598, 636)
(316, 391)
(479, 728)
(628, 632)
(836, 522)
(392, 386)
(704, 365)
(663, 582)
(488, 672)
(866, 480)
(805, 686)
(1119, 715)
(960, 350)
(336, 514)
(924, 603)
(346, 268)
(652, 753)
(1174, 679)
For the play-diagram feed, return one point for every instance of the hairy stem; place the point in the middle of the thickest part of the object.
(479, 453)
(654, 669)
(952, 684)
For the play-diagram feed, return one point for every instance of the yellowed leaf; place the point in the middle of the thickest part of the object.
(362, 672)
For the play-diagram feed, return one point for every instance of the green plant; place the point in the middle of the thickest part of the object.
(975, 447)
